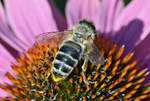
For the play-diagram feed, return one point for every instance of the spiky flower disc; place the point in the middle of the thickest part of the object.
(116, 80)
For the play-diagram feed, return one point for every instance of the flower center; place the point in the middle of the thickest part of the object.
(117, 79)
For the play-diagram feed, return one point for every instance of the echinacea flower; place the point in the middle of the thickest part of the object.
(129, 26)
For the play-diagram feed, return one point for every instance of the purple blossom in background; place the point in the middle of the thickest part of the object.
(22, 20)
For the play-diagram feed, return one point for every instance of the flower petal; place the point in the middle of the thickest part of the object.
(133, 24)
(28, 18)
(59, 18)
(6, 34)
(5, 59)
(3, 79)
(2, 14)
(82, 9)
(142, 51)
(12, 41)
(109, 11)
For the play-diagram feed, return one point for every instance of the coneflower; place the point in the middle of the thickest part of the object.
(118, 79)
(129, 25)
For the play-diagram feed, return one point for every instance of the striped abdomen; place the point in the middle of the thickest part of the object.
(66, 59)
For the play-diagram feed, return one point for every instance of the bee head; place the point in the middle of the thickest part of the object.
(84, 30)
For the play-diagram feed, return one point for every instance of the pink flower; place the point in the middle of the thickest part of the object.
(21, 21)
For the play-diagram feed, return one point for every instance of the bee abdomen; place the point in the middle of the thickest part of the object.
(66, 59)
(72, 49)
(62, 67)
(63, 64)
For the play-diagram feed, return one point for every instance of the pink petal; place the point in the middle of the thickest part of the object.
(142, 52)
(133, 24)
(9, 38)
(59, 18)
(82, 9)
(3, 80)
(2, 14)
(5, 61)
(7, 35)
(109, 11)
(28, 18)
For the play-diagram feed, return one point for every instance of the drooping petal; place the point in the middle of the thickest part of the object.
(59, 18)
(3, 79)
(5, 61)
(7, 35)
(2, 14)
(82, 9)
(133, 24)
(28, 18)
(109, 11)
(142, 51)
(10, 39)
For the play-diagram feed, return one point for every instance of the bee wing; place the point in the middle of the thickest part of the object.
(95, 56)
(52, 38)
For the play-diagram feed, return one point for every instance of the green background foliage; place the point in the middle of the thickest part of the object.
(126, 1)
(60, 4)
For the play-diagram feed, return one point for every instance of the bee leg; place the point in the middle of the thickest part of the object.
(49, 73)
(84, 67)
(47, 76)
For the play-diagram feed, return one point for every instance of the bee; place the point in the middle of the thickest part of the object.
(74, 44)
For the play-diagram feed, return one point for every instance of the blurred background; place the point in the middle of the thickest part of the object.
(61, 4)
